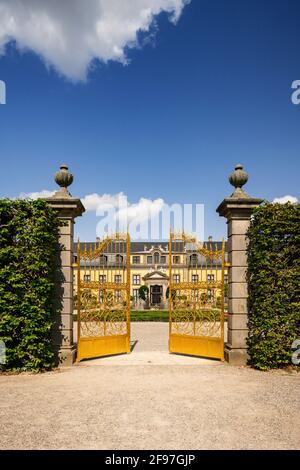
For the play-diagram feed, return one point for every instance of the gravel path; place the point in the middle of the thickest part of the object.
(102, 405)
(149, 343)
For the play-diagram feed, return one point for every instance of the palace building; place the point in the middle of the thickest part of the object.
(150, 267)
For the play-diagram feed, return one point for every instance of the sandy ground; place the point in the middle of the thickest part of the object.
(114, 404)
(149, 345)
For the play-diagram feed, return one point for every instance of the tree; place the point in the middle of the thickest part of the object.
(143, 293)
(174, 294)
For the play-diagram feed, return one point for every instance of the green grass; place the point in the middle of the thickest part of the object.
(146, 315)
(150, 315)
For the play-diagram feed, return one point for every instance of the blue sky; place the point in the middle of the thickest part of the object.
(197, 98)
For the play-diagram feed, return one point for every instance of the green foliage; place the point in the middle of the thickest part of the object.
(28, 246)
(174, 294)
(226, 290)
(143, 292)
(150, 315)
(274, 284)
(146, 315)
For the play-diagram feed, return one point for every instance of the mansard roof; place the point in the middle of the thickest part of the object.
(147, 247)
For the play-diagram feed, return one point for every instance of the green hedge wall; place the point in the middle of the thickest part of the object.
(28, 246)
(274, 284)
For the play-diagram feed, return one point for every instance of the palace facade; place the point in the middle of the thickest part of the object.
(149, 266)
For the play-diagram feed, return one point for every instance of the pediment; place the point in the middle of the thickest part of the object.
(156, 275)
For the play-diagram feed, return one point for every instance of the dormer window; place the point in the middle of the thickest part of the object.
(156, 258)
(119, 260)
(103, 260)
(193, 260)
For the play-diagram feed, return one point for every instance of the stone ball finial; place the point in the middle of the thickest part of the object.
(239, 177)
(64, 179)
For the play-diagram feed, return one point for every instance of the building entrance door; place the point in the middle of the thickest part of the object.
(156, 294)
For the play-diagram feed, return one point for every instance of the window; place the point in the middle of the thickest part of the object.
(118, 278)
(149, 259)
(176, 278)
(101, 296)
(136, 295)
(195, 278)
(210, 278)
(136, 260)
(163, 260)
(136, 279)
(225, 278)
(118, 296)
(193, 260)
(102, 278)
(103, 260)
(119, 260)
(176, 259)
(87, 278)
(210, 295)
(194, 294)
(156, 258)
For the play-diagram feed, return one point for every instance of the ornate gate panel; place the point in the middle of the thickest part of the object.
(196, 297)
(103, 293)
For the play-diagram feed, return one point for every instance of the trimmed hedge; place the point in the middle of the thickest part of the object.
(28, 246)
(274, 284)
(150, 315)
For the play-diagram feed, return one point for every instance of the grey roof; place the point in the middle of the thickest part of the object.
(142, 247)
(111, 249)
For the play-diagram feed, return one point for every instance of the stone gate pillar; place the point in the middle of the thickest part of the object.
(237, 209)
(68, 208)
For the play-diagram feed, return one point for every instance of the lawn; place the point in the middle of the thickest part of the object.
(150, 315)
(145, 315)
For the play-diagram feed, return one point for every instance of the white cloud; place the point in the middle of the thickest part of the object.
(141, 211)
(285, 199)
(37, 195)
(123, 209)
(69, 34)
(101, 203)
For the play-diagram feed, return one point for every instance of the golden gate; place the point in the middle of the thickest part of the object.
(103, 297)
(196, 297)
